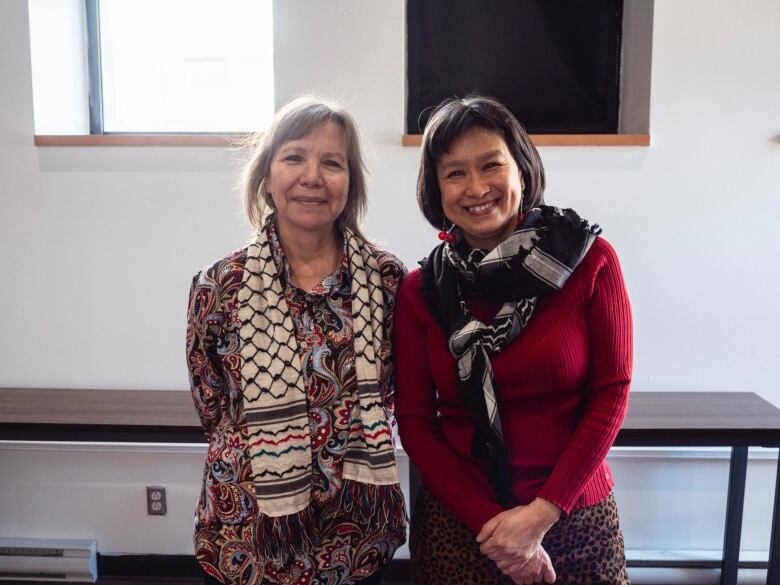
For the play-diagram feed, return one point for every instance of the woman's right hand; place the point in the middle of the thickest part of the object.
(538, 569)
(513, 540)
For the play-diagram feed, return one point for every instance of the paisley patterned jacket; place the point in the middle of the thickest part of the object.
(357, 527)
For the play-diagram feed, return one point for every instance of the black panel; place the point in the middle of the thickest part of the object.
(554, 63)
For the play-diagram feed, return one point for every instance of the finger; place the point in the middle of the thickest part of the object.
(536, 573)
(514, 566)
(548, 572)
(493, 546)
(499, 554)
(512, 557)
(519, 565)
(519, 578)
(505, 565)
(533, 569)
(488, 528)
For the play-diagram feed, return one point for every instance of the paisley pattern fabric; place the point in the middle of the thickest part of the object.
(355, 527)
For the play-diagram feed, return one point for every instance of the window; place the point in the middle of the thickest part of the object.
(159, 66)
(556, 64)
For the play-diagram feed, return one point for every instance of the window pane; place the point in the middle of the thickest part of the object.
(59, 74)
(187, 65)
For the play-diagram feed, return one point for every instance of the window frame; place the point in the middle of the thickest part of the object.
(634, 111)
(94, 69)
(98, 136)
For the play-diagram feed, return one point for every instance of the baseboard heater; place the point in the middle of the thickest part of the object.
(44, 559)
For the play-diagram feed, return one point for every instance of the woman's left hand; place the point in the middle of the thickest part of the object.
(511, 538)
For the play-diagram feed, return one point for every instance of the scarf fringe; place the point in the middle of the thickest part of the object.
(283, 538)
(375, 506)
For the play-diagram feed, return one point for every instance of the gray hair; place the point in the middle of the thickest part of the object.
(293, 121)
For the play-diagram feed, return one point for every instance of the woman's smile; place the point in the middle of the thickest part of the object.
(309, 181)
(481, 188)
(482, 208)
(308, 201)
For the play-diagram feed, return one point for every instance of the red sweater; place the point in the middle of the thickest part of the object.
(562, 387)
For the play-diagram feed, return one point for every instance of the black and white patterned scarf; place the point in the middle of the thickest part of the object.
(535, 260)
(275, 402)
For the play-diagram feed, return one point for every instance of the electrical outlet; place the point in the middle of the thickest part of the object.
(155, 500)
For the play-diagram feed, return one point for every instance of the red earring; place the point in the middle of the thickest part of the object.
(447, 236)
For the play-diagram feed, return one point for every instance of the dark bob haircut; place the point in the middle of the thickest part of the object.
(453, 118)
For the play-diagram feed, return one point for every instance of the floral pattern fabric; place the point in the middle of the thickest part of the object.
(347, 547)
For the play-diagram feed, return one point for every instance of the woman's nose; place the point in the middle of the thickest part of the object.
(310, 175)
(476, 187)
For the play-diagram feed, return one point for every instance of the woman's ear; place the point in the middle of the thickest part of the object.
(269, 200)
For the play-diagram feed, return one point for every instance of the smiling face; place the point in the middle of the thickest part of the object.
(309, 180)
(481, 187)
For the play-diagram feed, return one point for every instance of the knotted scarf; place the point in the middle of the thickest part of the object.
(535, 260)
(274, 396)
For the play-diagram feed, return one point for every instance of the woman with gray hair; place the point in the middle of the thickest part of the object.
(288, 349)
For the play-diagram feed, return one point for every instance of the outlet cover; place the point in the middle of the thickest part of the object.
(155, 500)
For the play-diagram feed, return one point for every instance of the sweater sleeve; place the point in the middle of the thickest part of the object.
(206, 381)
(606, 395)
(442, 469)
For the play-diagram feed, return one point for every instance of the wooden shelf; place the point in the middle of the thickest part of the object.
(565, 139)
(186, 140)
(228, 140)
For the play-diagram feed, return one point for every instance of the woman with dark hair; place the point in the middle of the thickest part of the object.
(288, 349)
(513, 365)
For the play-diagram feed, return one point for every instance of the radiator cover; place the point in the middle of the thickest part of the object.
(35, 559)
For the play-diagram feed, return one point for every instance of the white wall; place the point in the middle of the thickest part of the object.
(98, 244)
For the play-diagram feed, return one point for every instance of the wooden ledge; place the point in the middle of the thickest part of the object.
(230, 140)
(565, 139)
(186, 140)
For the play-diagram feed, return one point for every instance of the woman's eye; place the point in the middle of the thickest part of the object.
(454, 174)
(492, 165)
(293, 158)
(333, 164)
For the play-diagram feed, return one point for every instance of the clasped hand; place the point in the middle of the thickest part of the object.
(513, 540)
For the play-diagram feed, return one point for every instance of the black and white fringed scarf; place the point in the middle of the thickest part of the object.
(535, 260)
(275, 403)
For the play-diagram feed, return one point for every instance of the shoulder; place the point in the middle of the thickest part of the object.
(411, 291)
(223, 273)
(600, 263)
(411, 284)
(388, 262)
(391, 269)
(412, 307)
(601, 252)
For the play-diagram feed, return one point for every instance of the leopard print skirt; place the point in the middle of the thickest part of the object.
(586, 547)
